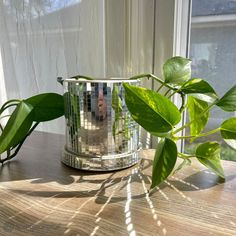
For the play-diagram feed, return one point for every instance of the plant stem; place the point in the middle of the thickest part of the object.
(190, 122)
(208, 133)
(167, 92)
(7, 106)
(184, 156)
(147, 76)
(184, 137)
(4, 116)
(81, 77)
(153, 77)
(159, 80)
(199, 135)
(172, 94)
(182, 98)
(10, 156)
(10, 101)
(160, 87)
(183, 102)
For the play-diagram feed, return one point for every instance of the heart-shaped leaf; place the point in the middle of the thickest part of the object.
(177, 70)
(209, 155)
(164, 161)
(152, 111)
(228, 101)
(197, 118)
(200, 89)
(17, 126)
(47, 106)
(228, 132)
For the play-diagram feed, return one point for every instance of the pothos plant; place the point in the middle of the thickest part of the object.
(155, 112)
(158, 115)
(25, 117)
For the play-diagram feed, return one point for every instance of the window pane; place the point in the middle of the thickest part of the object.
(213, 54)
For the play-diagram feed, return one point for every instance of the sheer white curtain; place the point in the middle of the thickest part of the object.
(43, 39)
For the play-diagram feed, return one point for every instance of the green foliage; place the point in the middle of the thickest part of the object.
(47, 106)
(209, 155)
(164, 161)
(228, 132)
(228, 101)
(195, 108)
(155, 113)
(17, 126)
(177, 70)
(200, 89)
(42, 107)
(226, 152)
(159, 116)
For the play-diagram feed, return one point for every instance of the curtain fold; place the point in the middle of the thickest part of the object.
(43, 39)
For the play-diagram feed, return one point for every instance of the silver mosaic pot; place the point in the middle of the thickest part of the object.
(100, 132)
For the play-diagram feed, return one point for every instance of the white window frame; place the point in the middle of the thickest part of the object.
(172, 37)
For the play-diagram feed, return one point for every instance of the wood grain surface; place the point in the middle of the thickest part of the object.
(41, 196)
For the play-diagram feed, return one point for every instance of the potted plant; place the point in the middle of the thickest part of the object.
(100, 133)
(155, 112)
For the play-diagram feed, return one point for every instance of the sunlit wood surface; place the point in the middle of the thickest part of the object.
(41, 196)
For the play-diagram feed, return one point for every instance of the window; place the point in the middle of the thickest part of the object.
(213, 54)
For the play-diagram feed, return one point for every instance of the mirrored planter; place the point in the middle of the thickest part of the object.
(100, 132)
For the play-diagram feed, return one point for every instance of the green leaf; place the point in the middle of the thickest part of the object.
(47, 106)
(197, 118)
(200, 89)
(17, 126)
(203, 97)
(209, 155)
(164, 161)
(152, 111)
(228, 132)
(228, 101)
(177, 70)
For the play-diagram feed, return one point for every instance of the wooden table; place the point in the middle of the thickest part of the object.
(41, 196)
